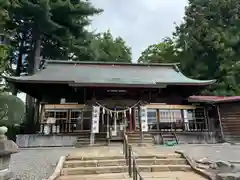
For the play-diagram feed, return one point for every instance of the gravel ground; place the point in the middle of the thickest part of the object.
(36, 164)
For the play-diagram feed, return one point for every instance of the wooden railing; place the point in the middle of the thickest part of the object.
(180, 127)
(130, 160)
(50, 128)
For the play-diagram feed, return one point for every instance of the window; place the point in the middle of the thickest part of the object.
(57, 114)
(152, 116)
(172, 115)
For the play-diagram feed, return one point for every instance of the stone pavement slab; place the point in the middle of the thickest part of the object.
(101, 151)
(170, 175)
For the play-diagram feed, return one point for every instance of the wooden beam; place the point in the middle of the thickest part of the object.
(166, 106)
(64, 106)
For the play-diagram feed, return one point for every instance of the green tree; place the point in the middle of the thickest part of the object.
(209, 38)
(12, 110)
(163, 52)
(41, 25)
(106, 48)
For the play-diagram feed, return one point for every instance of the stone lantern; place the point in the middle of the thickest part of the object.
(7, 147)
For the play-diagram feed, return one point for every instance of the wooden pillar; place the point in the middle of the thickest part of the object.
(158, 129)
(134, 119)
(108, 128)
(220, 122)
(206, 119)
(140, 123)
(131, 120)
(36, 114)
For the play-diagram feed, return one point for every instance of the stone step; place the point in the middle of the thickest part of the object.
(77, 157)
(138, 138)
(168, 175)
(122, 162)
(96, 176)
(121, 169)
(159, 156)
(139, 142)
(97, 144)
(88, 140)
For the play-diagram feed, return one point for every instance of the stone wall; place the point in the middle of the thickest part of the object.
(37, 140)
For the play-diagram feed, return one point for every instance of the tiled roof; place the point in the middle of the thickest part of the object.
(97, 74)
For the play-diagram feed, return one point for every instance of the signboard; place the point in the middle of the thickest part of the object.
(144, 119)
(95, 119)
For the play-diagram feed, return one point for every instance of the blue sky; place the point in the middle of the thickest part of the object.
(139, 22)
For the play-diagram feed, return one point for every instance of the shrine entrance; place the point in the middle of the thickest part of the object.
(115, 119)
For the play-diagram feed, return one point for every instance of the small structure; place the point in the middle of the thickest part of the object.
(106, 99)
(223, 113)
(7, 147)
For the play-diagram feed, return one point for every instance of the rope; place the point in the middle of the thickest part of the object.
(115, 111)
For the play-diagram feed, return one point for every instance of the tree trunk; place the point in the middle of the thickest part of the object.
(33, 64)
(19, 64)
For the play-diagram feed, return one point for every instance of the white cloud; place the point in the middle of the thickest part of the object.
(139, 22)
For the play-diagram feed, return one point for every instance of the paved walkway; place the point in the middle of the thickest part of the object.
(102, 151)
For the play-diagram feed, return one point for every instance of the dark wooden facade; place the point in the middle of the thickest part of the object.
(224, 115)
(229, 113)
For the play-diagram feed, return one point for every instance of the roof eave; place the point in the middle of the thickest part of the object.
(30, 81)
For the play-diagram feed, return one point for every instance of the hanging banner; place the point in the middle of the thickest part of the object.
(144, 119)
(95, 119)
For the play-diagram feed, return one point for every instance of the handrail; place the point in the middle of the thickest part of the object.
(130, 160)
(125, 146)
(135, 171)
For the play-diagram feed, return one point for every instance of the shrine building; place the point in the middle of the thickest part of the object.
(93, 101)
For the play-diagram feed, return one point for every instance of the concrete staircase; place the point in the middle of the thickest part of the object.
(83, 139)
(80, 168)
(168, 136)
(135, 138)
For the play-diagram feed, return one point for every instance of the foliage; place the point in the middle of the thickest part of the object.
(207, 44)
(106, 48)
(4, 51)
(12, 110)
(163, 52)
(52, 29)
(210, 39)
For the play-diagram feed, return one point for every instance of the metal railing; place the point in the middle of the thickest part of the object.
(130, 160)
(135, 172)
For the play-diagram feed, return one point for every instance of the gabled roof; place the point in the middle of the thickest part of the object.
(116, 74)
(214, 99)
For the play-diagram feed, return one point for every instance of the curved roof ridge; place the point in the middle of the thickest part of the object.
(108, 63)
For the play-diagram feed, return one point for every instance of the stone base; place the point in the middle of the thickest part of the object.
(5, 174)
(37, 140)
